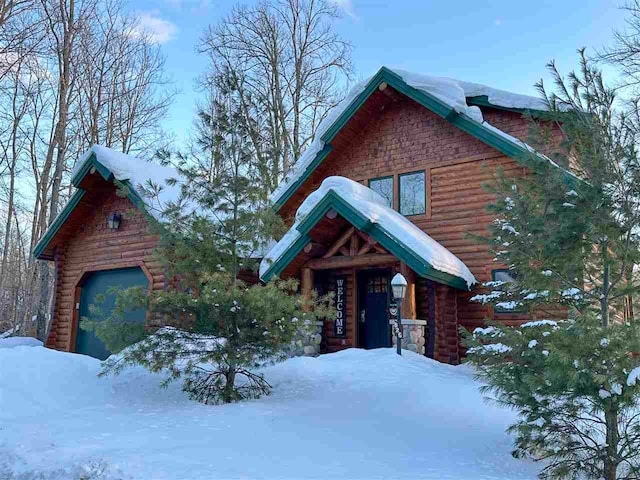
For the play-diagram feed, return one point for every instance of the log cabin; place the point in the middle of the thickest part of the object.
(392, 182)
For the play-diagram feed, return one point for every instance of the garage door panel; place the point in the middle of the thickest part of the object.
(95, 285)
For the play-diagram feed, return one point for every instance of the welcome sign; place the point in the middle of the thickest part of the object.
(340, 302)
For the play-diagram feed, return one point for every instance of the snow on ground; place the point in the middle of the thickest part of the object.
(11, 342)
(353, 414)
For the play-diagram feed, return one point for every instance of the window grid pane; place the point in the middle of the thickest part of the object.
(413, 193)
(383, 187)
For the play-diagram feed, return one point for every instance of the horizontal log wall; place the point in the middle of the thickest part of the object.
(405, 137)
(91, 246)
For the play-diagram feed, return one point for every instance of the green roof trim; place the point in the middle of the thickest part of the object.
(478, 130)
(277, 267)
(392, 243)
(58, 222)
(77, 178)
(483, 101)
(320, 156)
(90, 163)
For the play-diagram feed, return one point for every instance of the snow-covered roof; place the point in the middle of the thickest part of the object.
(453, 93)
(139, 173)
(394, 229)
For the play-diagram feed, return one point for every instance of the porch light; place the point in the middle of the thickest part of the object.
(398, 288)
(113, 221)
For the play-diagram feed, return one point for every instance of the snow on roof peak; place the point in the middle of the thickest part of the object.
(452, 92)
(140, 173)
(372, 206)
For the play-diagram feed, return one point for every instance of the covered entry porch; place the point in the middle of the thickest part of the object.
(345, 240)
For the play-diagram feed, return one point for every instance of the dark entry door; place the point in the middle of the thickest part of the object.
(98, 283)
(374, 304)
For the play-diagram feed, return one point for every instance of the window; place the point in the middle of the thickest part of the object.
(384, 187)
(413, 193)
(378, 284)
(506, 276)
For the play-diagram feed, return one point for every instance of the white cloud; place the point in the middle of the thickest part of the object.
(195, 6)
(158, 29)
(347, 7)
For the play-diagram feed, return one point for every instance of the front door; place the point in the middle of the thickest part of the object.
(96, 286)
(374, 330)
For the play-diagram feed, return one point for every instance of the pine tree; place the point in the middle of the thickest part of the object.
(569, 231)
(213, 235)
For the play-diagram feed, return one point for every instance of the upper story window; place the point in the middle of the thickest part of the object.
(412, 190)
(384, 187)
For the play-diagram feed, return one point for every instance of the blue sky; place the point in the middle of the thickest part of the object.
(504, 44)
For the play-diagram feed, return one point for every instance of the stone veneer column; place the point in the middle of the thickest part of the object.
(413, 335)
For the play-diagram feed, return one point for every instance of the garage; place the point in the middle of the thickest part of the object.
(93, 287)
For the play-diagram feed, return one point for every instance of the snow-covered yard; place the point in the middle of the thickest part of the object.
(354, 414)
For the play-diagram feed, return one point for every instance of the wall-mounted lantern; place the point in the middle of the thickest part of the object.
(113, 221)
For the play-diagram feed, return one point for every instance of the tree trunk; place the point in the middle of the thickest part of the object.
(228, 394)
(604, 296)
(613, 438)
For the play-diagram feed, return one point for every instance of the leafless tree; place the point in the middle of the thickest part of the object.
(89, 75)
(123, 89)
(289, 67)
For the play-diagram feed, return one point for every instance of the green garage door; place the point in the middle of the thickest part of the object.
(98, 283)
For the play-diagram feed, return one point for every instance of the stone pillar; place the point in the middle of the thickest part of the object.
(413, 335)
(307, 340)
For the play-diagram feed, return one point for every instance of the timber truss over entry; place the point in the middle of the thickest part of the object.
(353, 248)
(376, 235)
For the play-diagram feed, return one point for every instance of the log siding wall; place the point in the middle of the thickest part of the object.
(401, 137)
(92, 247)
(406, 137)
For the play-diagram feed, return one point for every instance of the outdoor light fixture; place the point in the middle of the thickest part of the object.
(113, 221)
(398, 288)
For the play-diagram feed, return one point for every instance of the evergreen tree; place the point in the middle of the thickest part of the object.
(569, 231)
(115, 329)
(213, 235)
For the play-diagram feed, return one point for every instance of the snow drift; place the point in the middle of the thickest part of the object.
(353, 414)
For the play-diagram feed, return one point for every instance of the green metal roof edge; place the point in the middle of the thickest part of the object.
(432, 103)
(483, 101)
(58, 222)
(279, 265)
(92, 161)
(320, 156)
(132, 195)
(379, 233)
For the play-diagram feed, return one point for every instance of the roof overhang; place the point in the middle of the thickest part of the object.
(392, 243)
(504, 143)
(91, 165)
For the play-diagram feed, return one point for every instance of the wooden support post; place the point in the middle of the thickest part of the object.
(409, 303)
(353, 246)
(306, 283)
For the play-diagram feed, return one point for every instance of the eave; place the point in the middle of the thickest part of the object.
(511, 148)
(90, 166)
(390, 242)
